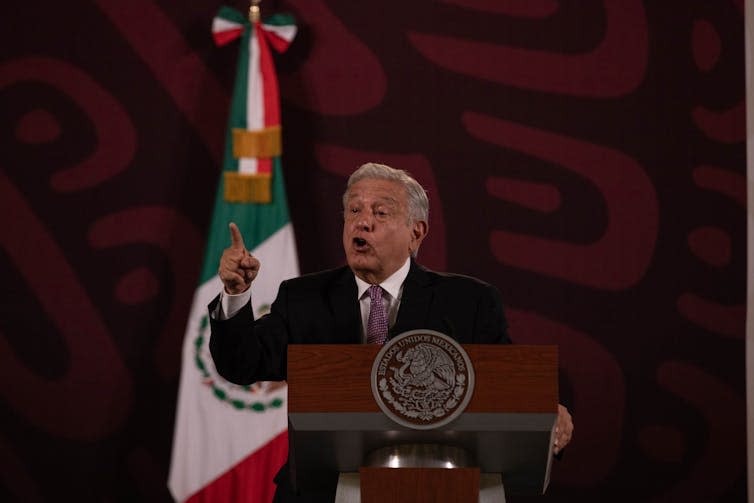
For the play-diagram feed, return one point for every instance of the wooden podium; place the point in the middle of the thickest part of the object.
(506, 428)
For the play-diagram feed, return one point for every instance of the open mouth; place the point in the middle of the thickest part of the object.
(360, 243)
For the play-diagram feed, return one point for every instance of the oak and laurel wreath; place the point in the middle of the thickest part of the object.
(425, 414)
(216, 390)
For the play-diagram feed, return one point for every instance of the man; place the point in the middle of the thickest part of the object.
(385, 221)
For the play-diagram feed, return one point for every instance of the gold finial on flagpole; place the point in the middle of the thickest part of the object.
(254, 13)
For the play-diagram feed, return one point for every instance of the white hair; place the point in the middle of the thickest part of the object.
(418, 203)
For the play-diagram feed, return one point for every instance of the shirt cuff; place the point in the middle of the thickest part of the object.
(229, 304)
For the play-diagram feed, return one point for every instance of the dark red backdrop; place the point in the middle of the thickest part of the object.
(586, 157)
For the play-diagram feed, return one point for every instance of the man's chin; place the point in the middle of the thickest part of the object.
(362, 266)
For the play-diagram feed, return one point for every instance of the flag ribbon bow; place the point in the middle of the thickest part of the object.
(253, 145)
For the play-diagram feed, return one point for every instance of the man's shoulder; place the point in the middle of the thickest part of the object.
(320, 279)
(448, 279)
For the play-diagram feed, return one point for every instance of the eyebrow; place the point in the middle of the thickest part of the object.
(378, 200)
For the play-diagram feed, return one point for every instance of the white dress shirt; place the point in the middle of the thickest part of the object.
(391, 297)
(229, 304)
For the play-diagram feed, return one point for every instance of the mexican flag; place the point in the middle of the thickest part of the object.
(229, 440)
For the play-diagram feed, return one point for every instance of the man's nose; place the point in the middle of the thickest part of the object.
(365, 223)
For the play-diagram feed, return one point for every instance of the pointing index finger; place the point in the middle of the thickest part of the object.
(235, 237)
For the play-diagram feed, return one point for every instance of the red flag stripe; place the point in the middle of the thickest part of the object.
(227, 36)
(276, 41)
(270, 94)
(250, 480)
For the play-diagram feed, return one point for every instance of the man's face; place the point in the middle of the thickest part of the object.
(377, 235)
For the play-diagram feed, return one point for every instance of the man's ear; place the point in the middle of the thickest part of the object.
(418, 233)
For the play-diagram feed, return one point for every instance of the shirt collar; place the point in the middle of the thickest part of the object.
(391, 285)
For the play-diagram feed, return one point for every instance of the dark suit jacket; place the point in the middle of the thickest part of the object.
(322, 308)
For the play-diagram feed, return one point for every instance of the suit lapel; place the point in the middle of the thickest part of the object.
(344, 308)
(416, 301)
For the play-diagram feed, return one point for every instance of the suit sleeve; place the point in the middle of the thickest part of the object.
(491, 325)
(246, 350)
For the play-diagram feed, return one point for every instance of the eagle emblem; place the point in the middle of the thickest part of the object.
(422, 379)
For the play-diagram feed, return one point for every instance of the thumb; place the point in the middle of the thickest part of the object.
(236, 238)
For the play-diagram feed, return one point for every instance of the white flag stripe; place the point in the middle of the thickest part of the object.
(278, 259)
(286, 32)
(220, 25)
(247, 165)
(254, 95)
(254, 103)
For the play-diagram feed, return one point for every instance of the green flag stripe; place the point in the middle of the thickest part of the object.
(257, 222)
(232, 15)
(237, 116)
(279, 20)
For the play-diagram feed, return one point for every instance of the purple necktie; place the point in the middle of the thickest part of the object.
(377, 322)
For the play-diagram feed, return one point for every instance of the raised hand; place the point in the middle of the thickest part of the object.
(238, 267)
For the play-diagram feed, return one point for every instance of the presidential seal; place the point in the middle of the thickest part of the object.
(422, 379)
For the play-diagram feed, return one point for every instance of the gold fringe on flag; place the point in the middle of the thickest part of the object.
(262, 143)
(247, 188)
